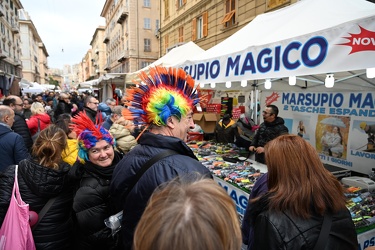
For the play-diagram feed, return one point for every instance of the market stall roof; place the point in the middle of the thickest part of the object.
(88, 84)
(309, 38)
(175, 56)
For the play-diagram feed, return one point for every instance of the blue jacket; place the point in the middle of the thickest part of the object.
(162, 171)
(12, 147)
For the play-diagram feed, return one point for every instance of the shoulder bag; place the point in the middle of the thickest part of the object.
(15, 232)
(324, 232)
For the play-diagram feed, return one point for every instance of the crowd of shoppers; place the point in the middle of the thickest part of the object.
(90, 163)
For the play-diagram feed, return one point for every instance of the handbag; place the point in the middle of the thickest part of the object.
(37, 132)
(15, 232)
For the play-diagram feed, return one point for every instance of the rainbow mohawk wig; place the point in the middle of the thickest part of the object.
(163, 93)
(88, 135)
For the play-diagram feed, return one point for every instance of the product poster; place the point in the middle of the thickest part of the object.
(341, 126)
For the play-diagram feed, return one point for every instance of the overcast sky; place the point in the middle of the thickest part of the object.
(65, 26)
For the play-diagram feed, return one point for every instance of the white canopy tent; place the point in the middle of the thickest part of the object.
(307, 39)
(175, 56)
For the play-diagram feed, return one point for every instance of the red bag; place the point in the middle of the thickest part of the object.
(15, 232)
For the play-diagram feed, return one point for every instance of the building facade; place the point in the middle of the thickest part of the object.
(98, 50)
(131, 34)
(10, 47)
(208, 22)
(34, 53)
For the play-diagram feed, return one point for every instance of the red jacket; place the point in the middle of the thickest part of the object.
(32, 123)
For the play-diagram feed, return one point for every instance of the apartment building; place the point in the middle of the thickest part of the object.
(10, 50)
(34, 53)
(98, 57)
(131, 35)
(208, 22)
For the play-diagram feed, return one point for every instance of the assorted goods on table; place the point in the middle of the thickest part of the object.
(228, 162)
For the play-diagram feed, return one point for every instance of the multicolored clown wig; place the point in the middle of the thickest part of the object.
(88, 135)
(165, 92)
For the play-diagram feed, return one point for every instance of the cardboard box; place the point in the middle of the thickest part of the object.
(207, 121)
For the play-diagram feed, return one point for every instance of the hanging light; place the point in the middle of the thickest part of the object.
(228, 84)
(329, 81)
(267, 84)
(370, 73)
(213, 85)
(243, 83)
(201, 85)
(292, 80)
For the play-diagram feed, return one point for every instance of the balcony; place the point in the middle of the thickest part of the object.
(106, 39)
(17, 62)
(2, 12)
(15, 29)
(123, 56)
(122, 17)
(2, 55)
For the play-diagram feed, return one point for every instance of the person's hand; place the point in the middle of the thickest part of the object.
(259, 150)
(251, 148)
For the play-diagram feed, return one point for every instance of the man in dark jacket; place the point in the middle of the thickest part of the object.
(272, 127)
(63, 106)
(12, 146)
(91, 109)
(169, 116)
(19, 125)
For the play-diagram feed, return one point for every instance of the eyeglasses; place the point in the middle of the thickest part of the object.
(266, 113)
(96, 103)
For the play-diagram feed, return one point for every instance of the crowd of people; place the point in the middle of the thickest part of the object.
(90, 162)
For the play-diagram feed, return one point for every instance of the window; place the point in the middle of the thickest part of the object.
(181, 3)
(144, 64)
(181, 34)
(147, 45)
(166, 8)
(146, 3)
(166, 42)
(147, 23)
(200, 27)
(230, 13)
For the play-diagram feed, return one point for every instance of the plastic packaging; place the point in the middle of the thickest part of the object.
(114, 222)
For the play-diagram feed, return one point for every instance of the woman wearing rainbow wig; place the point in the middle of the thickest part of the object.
(93, 172)
(163, 103)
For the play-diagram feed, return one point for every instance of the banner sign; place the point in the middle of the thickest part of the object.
(349, 46)
(341, 126)
(240, 197)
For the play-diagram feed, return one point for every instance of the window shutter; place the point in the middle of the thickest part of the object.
(205, 23)
(184, 1)
(194, 29)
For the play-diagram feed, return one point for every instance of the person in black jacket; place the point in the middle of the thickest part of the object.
(226, 130)
(272, 127)
(42, 177)
(167, 97)
(93, 172)
(301, 195)
(64, 106)
(12, 145)
(90, 107)
(19, 125)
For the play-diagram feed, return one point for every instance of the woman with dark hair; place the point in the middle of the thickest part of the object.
(93, 171)
(302, 196)
(42, 177)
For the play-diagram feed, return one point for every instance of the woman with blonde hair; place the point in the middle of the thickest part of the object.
(39, 118)
(189, 215)
(44, 177)
(303, 199)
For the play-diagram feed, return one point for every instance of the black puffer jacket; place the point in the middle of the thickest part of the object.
(21, 128)
(162, 171)
(284, 231)
(92, 205)
(62, 108)
(37, 185)
(266, 132)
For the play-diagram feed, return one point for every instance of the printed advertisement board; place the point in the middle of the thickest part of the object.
(341, 126)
